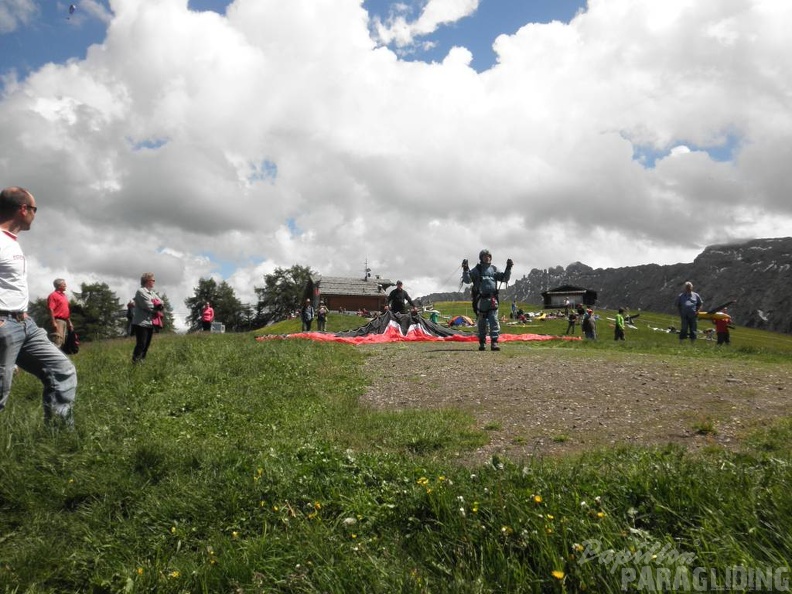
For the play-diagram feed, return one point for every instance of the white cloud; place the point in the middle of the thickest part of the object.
(15, 13)
(398, 29)
(282, 133)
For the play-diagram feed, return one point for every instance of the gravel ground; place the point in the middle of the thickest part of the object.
(538, 401)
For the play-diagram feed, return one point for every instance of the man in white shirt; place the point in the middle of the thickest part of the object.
(22, 342)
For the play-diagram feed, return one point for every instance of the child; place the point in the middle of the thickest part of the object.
(722, 324)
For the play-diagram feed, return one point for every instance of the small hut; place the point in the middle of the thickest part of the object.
(555, 298)
(350, 294)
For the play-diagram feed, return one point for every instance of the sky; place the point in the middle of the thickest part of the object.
(227, 139)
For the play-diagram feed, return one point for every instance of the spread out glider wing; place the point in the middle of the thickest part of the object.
(394, 327)
(716, 313)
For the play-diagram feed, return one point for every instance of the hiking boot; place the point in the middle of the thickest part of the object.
(482, 346)
(495, 346)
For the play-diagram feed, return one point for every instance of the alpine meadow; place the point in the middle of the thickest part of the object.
(227, 464)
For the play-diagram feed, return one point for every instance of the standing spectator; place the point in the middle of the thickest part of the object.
(148, 305)
(130, 310)
(618, 331)
(321, 317)
(688, 303)
(60, 316)
(22, 342)
(398, 299)
(307, 315)
(722, 324)
(207, 317)
(589, 325)
(571, 320)
(485, 278)
(514, 309)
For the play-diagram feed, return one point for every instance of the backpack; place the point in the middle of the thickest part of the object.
(71, 346)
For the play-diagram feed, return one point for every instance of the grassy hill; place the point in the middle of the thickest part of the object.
(223, 464)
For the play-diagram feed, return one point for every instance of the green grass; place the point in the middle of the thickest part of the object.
(223, 464)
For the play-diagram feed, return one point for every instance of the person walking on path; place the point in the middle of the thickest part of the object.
(22, 342)
(485, 278)
(60, 316)
(148, 305)
(688, 303)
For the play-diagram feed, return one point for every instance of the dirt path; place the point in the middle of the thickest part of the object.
(543, 401)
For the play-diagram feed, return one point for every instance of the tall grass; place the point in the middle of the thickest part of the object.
(227, 465)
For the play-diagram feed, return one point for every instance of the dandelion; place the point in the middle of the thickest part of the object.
(173, 529)
(506, 530)
(423, 481)
(601, 515)
(140, 571)
(317, 505)
(577, 547)
(550, 517)
(235, 534)
(174, 574)
(475, 507)
(537, 499)
(558, 574)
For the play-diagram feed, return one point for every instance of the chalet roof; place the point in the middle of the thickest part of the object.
(338, 285)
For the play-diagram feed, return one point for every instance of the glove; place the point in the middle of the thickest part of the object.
(465, 264)
(509, 264)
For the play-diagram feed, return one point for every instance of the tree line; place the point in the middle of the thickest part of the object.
(98, 314)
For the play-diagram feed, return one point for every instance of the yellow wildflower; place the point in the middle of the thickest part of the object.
(537, 499)
(558, 574)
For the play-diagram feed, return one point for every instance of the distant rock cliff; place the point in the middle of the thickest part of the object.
(756, 273)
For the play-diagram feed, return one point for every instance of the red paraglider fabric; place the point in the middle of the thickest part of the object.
(390, 327)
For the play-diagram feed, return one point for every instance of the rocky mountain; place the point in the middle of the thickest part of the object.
(756, 273)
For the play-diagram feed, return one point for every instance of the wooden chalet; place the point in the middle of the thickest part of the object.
(349, 294)
(554, 298)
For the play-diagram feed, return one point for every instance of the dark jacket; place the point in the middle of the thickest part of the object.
(397, 299)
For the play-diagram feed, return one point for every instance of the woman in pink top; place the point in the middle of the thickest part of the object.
(207, 317)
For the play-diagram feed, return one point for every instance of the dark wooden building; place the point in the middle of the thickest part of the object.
(554, 298)
(350, 294)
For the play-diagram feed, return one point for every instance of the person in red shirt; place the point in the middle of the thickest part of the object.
(722, 324)
(60, 317)
(207, 317)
